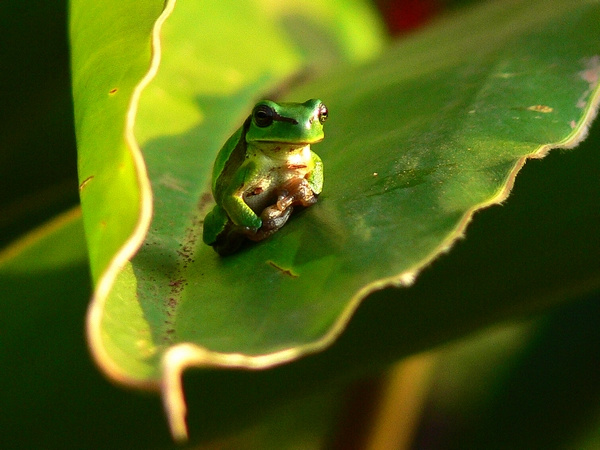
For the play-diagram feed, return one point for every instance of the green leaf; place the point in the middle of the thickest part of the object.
(524, 385)
(47, 374)
(110, 50)
(520, 260)
(60, 242)
(418, 140)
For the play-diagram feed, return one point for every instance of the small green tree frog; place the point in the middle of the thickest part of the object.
(265, 169)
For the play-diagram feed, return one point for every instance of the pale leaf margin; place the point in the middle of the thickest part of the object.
(131, 245)
(186, 355)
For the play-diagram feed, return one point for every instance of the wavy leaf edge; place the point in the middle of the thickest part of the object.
(186, 355)
(136, 239)
(183, 356)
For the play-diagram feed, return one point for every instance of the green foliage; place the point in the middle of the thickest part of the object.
(422, 133)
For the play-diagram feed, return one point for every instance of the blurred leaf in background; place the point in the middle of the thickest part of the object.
(37, 144)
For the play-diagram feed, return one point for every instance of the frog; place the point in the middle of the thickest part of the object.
(264, 170)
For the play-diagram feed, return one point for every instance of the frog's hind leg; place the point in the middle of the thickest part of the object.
(229, 241)
(221, 233)
(215, 223)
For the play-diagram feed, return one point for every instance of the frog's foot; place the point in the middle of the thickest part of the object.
(230, 239)
(273, 219)
(296, 192)
(229, 243)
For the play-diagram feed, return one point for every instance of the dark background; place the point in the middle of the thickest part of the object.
(37, 141)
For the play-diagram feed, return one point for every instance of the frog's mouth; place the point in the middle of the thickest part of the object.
(288, 143)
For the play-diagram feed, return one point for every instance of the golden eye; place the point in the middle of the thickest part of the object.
(323, 113)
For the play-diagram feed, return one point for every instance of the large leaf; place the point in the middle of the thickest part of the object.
(434, 129)
(110, 49)
(546, 233)
(537, 251)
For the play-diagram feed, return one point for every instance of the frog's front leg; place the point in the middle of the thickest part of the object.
(315, 179)
(240, 213)
(233, 202)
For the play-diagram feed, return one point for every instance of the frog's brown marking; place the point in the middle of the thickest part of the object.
(279, 118)
(282, 270)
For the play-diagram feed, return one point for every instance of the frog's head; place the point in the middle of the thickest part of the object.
(300, 123)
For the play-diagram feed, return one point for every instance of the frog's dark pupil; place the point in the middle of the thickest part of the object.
(263, 116)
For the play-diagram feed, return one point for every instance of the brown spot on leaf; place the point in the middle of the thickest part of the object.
(85, 182)
(540, 108)
(282, 270)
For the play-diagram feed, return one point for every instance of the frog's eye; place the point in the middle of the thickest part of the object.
(323, 113)
(263, 116)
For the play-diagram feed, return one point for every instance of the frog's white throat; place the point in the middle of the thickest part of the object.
(282, 150)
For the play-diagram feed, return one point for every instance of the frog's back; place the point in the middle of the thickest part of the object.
(230, 158)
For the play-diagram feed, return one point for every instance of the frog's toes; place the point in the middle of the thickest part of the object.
(229, 240)
(228, 245)
(273, 220)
